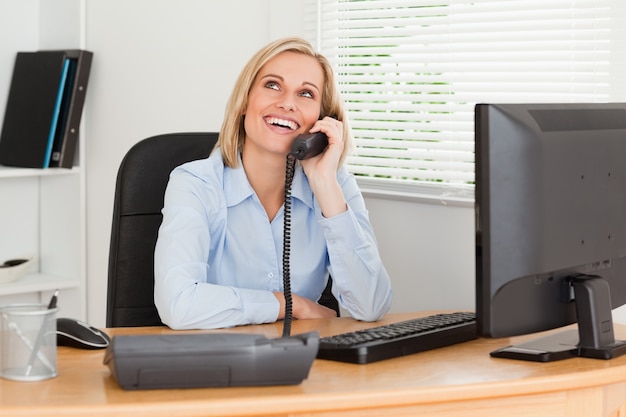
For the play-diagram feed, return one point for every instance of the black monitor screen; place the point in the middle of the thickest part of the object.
(551, 225)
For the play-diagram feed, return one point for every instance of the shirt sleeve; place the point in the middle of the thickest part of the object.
(183, 296)
(361, 283)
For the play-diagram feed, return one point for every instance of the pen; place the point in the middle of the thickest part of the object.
(35, 351)
(53, 300)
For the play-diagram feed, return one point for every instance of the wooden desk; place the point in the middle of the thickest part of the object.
(460, 380)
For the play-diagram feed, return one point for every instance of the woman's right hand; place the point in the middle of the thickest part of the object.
(303, 308)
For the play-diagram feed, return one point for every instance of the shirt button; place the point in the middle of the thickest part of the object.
(270, 275)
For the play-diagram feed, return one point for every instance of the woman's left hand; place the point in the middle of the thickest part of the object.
(327, 162)
(321, 170)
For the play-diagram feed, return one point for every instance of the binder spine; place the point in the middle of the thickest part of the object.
(54, 125)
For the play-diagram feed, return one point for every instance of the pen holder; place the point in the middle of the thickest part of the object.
(28, 348)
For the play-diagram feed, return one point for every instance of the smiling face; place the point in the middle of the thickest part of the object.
(284, 101)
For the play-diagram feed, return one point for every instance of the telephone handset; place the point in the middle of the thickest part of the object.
(308, 145)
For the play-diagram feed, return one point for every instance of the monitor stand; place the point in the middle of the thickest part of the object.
(594, 337)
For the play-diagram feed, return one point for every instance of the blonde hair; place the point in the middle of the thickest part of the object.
(232, 134)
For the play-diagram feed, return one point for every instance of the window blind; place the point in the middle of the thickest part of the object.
(411, 72)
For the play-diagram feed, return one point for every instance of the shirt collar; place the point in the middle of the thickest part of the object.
(237, 188)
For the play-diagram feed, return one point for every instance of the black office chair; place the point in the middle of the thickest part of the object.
(141, 182)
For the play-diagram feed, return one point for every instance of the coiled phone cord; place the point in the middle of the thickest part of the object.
(290, 168)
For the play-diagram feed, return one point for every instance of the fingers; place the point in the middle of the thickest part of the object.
(333, 128)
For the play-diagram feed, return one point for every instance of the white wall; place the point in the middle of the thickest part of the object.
(19, 31)
(428, 250)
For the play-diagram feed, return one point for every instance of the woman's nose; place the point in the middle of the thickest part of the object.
(287, 104)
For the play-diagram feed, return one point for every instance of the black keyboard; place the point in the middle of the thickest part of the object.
(399, 339)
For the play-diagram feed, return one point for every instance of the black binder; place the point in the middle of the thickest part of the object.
(44, 108)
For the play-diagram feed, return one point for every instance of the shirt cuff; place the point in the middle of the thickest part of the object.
(259, 306)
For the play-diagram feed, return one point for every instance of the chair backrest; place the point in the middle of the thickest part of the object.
(141, 181)
(139, 191)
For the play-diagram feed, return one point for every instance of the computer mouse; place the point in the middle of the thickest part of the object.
(77, 334)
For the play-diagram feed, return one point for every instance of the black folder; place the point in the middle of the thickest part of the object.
(44, 108)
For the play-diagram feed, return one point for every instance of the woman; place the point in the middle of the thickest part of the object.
(218, 258)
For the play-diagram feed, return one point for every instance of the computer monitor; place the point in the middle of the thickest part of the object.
(551, 226)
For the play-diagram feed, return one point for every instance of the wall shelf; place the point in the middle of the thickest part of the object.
(13, 172)
(37, 282)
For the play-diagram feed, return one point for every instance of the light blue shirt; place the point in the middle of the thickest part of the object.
(218, 258)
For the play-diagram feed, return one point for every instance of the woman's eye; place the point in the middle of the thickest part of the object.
(307, 94)
(272, 84)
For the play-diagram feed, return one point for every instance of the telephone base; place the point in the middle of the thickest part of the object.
(209, 360)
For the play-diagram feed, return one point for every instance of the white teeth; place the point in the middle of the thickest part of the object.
(281, 122)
